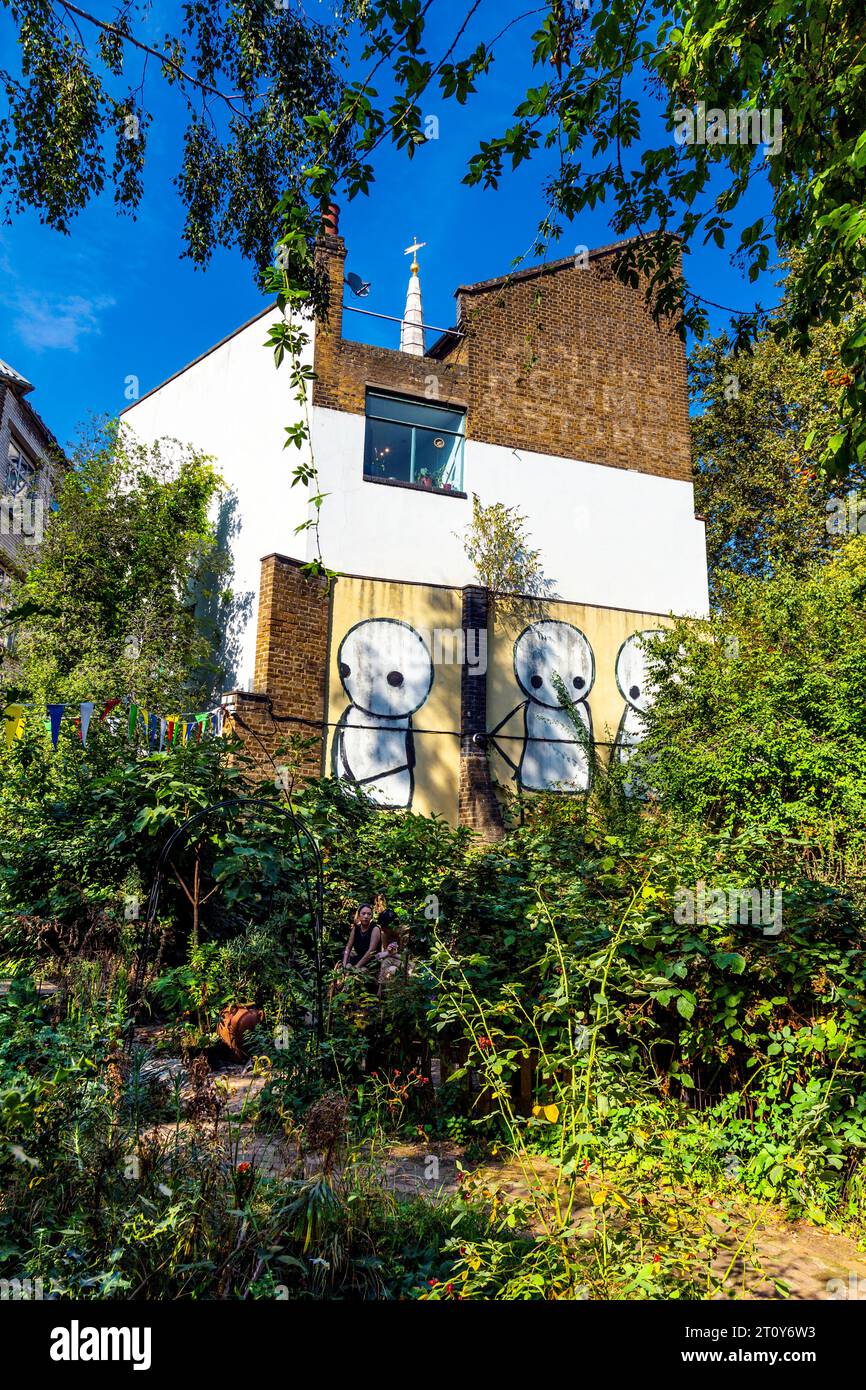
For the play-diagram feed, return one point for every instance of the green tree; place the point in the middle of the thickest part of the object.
(79, 103)
(109, 608)
(759, 719)
(766, 418)
(499, 547)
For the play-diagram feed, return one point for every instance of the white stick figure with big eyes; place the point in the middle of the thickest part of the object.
(636, 687)
(386, 672)
(551, 657)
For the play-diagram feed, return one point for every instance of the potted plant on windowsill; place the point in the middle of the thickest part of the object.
(425, 478)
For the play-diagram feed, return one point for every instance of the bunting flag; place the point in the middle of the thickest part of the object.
(13, 723)
(55, 714)
(161, 732)
(85, 711)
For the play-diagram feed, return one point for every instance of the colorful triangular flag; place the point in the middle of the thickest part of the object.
(13, 723)
(85, 712)
(55, 715)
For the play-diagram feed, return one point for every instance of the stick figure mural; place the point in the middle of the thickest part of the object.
(552, 757)
(635, 686)
(387, 672)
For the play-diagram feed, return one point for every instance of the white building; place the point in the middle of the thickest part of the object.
(555, 394)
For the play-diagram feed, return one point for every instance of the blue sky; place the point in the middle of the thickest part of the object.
(80, 313)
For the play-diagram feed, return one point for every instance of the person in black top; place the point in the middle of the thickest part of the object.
(363, 940)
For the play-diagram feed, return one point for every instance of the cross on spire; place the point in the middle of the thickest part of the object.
(413, 252)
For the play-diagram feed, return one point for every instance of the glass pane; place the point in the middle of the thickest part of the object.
(435, 417)
(440, 456)
(388, 451)
(20, 473)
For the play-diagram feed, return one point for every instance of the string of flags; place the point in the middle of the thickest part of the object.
(160, 731)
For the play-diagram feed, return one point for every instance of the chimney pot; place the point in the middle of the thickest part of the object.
(331, 220)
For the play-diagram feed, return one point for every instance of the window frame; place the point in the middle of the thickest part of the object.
(24, 464)
(455, 487)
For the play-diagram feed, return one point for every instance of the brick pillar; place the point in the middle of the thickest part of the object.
(331, 264)
(478, 806)
(291, 674)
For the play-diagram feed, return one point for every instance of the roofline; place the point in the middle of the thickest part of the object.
(545, 268)
(459, 588)
(50, 443)
(202, 355)
(15, 379)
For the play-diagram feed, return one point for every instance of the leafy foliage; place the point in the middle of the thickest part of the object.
(109, 607)
(78, 113)
(759, 719)
(765, 420)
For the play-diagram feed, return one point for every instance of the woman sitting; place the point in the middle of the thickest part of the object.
(364, 940)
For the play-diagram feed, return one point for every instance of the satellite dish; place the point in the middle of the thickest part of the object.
(358, 286)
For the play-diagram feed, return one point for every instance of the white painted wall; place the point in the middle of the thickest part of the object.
(234, 404)
(606, 535)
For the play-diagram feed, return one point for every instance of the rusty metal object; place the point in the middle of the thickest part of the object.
(234, 1021)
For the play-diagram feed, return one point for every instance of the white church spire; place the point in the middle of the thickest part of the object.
(412, 325)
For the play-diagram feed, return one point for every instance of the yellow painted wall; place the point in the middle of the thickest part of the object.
(606, 629)
(427, 609)
(436, 724)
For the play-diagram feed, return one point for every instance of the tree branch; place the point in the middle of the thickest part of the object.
(155, 53)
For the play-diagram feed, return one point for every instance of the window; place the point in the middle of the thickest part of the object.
(20, 478)
(414, 442)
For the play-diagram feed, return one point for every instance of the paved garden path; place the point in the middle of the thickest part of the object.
(758, 1248)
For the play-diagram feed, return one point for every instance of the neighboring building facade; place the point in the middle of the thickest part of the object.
(29, 454)
(555, 394)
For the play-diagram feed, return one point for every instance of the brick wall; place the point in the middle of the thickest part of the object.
(344, 369)
(291, 667)
(477, 805)
(561, 360)
(566, 360)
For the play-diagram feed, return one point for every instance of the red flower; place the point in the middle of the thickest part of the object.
(449, 1288)
(657, 1259)
(432, 1283)
(243, 1167)
(484, 1042)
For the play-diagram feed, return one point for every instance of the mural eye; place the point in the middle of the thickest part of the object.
(395, 678)
(634, 691)
(345, 670)
(578, 682)
(535, 682)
